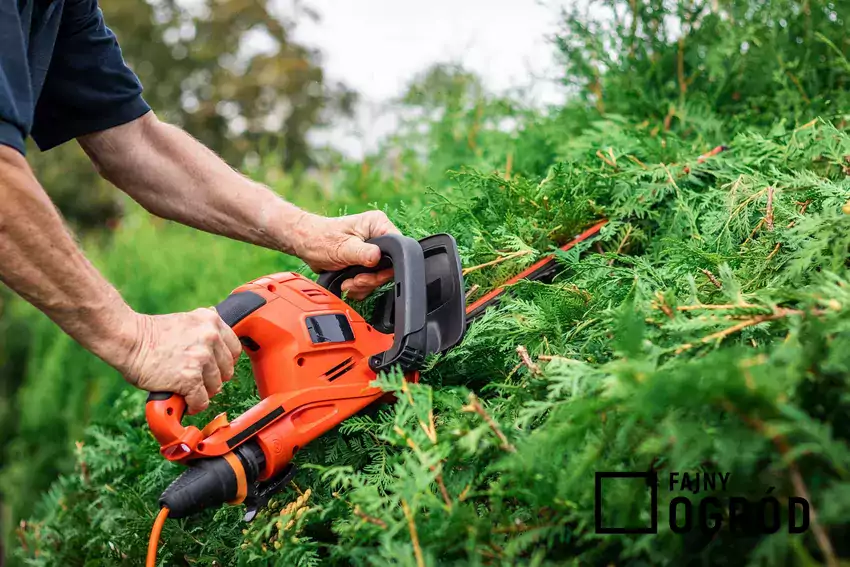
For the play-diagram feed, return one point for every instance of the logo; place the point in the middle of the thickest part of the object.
(637, 493)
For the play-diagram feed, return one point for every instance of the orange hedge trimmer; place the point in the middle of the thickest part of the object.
(314, 359)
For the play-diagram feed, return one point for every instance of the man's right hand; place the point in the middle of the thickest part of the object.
(190, 354)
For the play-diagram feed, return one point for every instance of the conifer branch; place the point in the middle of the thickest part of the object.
(476, 407)
(622, 244)
(783, 447)
(414, 536)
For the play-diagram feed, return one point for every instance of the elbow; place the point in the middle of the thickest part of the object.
(115, 152)
(11, 162)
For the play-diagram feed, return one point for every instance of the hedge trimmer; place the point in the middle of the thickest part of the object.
(314, 359)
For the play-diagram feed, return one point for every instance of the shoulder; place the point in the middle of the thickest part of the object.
(78, 14)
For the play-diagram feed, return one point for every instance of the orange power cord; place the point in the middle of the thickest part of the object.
(153, 542)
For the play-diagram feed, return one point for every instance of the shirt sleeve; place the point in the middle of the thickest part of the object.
(15, 91)
(88, 87)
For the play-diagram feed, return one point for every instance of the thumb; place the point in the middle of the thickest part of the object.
(355, 252)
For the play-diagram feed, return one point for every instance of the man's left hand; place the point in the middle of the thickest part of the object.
(328, 244)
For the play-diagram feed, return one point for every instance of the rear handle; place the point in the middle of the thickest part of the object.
(165, 410)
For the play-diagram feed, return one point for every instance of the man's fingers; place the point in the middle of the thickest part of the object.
(224, 360)
(197, 399)
(376, 223)
(231, 341)
(355, 252)
(362, 285)
(212, 377)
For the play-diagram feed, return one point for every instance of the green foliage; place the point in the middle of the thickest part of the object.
(703, 329)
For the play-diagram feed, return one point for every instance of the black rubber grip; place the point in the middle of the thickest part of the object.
(237, 306)
(209, 483)
(159, 396)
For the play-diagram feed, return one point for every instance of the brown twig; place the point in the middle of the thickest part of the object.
(476, 407)
(768, 217)
(601, 156)
(779, 313)
(753, 233)
(414, 536)
(725, 306)
(510, 256)
(670, 176)
(371, 519)
(509, 165)
(712, 278)
(472, 291)
(803, 207)
(662, 305)
(773, 253)
(444, 491)
(637, 161)
(526, 360)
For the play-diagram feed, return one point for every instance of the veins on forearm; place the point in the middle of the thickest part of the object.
(175, 177)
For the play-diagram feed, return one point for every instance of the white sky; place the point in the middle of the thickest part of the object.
(378, 46)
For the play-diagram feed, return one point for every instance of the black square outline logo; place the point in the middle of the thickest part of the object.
(650, 478)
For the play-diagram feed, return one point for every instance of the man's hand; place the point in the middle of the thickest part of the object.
(190, 354)
(327, 244)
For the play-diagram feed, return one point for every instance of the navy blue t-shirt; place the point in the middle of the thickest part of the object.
(62, 74)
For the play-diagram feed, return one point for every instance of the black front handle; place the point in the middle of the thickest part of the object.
(405, 256)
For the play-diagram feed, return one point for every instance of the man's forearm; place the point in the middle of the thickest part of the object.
(175, 177)
(42, 263)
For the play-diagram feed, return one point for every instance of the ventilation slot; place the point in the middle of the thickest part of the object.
(339, 369)
(312, 292)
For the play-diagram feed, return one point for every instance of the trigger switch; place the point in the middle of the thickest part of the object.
(249, 343)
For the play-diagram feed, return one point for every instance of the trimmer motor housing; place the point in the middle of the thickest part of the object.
(313, 359)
